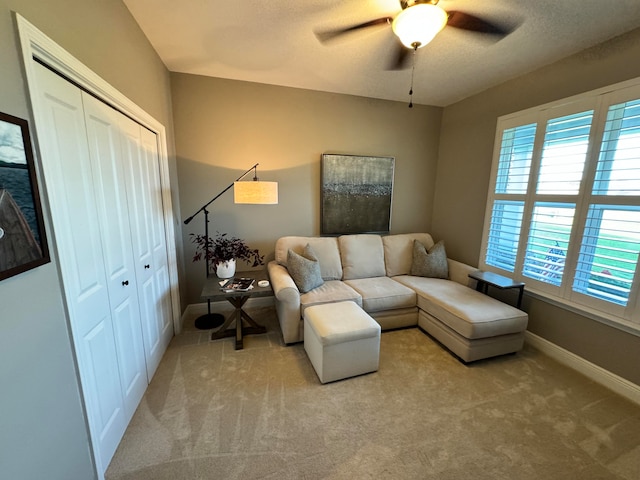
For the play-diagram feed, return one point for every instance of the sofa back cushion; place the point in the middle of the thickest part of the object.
(325, 249)
(362, 256)
(398, 251)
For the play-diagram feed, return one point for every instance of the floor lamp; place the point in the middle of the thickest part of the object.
(255, 192)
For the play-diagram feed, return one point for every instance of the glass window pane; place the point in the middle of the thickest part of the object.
(564, 153)
(618, 170)
(515, 159)
(504, 233)
(609, 253)
(548, 242)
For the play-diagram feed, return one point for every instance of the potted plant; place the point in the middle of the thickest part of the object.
(223, 251)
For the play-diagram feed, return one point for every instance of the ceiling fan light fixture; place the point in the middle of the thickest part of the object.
(417, 25)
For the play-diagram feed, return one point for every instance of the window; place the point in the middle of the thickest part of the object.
(563, 212)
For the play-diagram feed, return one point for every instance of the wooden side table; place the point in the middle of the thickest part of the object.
(212, 291)
(485, 279)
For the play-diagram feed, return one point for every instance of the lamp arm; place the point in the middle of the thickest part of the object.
(186, 222)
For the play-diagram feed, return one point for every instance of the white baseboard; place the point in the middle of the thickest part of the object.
(621, 386)
(194, 310)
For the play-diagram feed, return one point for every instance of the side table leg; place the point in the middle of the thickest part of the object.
(520, 296)
(253, 328)
(239, 343)
(239, 330)
(482, 286)
(223, 330)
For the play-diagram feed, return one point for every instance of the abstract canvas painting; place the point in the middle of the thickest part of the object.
(356, 194)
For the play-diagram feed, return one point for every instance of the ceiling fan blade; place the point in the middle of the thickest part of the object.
(328, 35)
(400, 59)
(472, 23)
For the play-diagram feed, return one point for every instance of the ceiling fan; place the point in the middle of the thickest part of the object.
(418, 23)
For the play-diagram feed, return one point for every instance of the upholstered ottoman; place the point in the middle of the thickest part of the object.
(341, 340)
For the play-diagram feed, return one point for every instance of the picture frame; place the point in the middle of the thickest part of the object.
(23, 242)
(357, 192)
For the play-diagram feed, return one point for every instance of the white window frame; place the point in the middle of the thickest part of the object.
(624, 317)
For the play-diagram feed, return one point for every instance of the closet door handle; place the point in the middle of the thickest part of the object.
(147, 266)
(125, 283)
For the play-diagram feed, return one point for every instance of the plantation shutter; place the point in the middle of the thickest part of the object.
(504, 232)
(565, 150)
(515, 159)
(512, 179)
(548, 242)
(610, 244)
(618, 171)
(609, 253)
(563, 207)
(562, 163)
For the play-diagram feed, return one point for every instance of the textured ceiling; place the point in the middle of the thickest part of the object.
(273, 42)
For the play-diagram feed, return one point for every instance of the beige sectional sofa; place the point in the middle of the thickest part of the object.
(374, 271)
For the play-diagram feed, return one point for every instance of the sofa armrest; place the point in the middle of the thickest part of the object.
(459, 272)
(287, 302)
(284, 288)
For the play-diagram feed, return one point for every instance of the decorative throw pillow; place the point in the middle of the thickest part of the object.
(432, 263)
(304, 269)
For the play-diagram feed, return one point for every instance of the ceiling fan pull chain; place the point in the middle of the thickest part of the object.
(413, 69)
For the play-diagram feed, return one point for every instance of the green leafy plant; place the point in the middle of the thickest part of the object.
(223, 248)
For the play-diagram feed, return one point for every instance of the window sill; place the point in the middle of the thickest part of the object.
(610, 320)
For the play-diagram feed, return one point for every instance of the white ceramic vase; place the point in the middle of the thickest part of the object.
(226, 269)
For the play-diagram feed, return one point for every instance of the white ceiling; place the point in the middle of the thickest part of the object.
(273, 42)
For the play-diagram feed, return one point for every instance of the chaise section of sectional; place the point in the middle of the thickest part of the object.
(471, 324)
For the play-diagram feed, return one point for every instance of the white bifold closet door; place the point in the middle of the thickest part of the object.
(144, 194)
(103, 186)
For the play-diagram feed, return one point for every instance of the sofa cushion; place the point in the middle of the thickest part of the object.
(304, 269)
(325, 249)
(362, 256)
(383, 293)
(398, 251)
(470, 313)
(432, 263)
(329, 292)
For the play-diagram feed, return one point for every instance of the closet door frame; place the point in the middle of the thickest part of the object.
(36, 45)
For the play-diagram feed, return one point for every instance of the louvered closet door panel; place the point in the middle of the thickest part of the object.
(105, 141)
(149, 247)
(69, 178)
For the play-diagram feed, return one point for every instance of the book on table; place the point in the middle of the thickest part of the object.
(238, 284)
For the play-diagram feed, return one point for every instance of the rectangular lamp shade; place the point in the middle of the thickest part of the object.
(263, 193)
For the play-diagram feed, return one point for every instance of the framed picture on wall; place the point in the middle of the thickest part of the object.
(356, 194)
(23, 244)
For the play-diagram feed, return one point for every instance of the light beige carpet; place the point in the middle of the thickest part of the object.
(260, 413)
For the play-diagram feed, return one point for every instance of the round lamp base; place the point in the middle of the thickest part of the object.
(209, 321)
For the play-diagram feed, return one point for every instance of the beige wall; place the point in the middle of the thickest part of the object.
(42, 424)
(223, 127)
(466, 148)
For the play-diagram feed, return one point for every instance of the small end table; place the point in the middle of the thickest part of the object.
(212, 291)
(489, 278)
